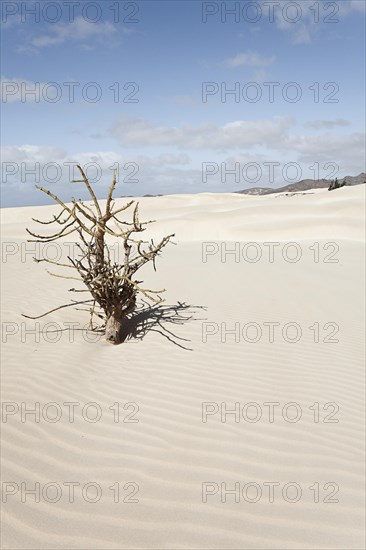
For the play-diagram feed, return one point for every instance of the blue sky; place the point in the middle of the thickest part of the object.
(173, 129)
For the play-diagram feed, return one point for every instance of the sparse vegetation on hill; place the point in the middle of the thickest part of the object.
(334, 184)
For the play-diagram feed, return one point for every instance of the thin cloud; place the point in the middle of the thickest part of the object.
(34, 153)
(249, 59)
(240, 133)
(298, 18)
(15, 89)
(78, 30)
(318, 124)
(185, 100)
(340, 149)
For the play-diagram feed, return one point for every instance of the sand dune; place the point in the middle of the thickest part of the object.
(174, 451)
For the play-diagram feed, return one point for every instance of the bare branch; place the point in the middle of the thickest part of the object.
(41, 239)
(93, 218)
(65, 208)
(64, 276)
(55, 219)
(110, 193)
(55, 236)
(39, 260)
(92, 194)
(55, 309)
(122, 208)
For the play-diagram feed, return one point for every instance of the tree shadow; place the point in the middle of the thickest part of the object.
(155, 318)
(146, 318)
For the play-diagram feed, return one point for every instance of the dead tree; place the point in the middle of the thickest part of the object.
(111, 285)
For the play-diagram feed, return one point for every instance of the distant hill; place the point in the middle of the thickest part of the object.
(303, 185)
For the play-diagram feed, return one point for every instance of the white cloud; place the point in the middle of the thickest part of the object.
(302, 35)
(318, 124)
(77, 30)
(241, 133)
(249, 59)
(346, 150)
(349, 6)
(295, 19)
(303, 18)
(14, 89)
(26, 165)
(34, 153)
(45, 154)
(163, 159)
(27, 91)
(275, 136)
(174, 173)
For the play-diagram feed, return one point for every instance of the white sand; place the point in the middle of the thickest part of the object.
(170, 452)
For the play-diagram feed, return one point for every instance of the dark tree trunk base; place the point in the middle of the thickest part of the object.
(113, 328)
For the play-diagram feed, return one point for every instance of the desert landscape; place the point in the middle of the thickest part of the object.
(232, 415)
(182, 214)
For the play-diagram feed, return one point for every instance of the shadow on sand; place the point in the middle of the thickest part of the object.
(146, 318)
(158, 318)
